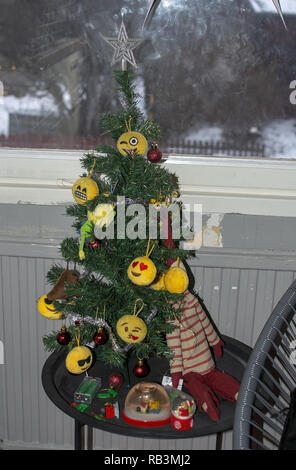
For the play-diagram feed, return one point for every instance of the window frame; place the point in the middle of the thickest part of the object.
(221, 184)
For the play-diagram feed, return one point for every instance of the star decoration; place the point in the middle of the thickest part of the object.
(123, 47)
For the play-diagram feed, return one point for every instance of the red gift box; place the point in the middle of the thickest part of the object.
(109, 410)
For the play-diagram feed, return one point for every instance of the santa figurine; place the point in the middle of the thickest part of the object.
(190, 344)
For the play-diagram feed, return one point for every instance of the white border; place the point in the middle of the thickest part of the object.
(221, 184)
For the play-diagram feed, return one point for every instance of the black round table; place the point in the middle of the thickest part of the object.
(60, 386)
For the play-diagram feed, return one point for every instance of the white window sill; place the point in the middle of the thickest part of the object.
(221, 184)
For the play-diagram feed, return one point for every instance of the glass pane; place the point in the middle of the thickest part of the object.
(218, 75)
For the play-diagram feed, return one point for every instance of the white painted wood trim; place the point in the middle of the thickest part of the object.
(221, 184)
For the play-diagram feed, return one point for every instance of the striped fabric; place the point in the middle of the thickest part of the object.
(191, 338)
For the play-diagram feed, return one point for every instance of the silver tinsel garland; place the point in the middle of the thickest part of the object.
(100, 322)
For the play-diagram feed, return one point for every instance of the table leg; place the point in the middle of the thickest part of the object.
(79, 435)
(219, 440)
(89, 438)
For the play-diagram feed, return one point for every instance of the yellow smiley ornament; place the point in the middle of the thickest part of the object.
(79, 359)
(132, 142)
(85, 188)
(47, 309)
(158, 283)
(142, 270)
(131, 328)
(176, 280)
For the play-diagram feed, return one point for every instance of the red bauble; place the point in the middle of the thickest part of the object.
(115, 380)
(63, 336)
(141, 369)
(95, 244)
(154, 155)
(100, 337)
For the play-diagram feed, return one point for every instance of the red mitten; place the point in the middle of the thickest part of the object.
(175, 378)
(218, 349)
(206, 398)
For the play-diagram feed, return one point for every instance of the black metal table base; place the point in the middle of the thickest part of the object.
(82, 442)
(219, 439)
(79, 435)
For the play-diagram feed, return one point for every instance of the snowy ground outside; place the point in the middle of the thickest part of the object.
(206, 133)
(28, 104)
(279, 137)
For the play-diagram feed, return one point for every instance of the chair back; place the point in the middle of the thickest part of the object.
(268, 380)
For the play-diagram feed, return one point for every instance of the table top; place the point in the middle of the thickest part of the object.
(60, 386)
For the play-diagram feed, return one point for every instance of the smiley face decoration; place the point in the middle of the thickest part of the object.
(131, 328)
(142, 270)
(79, 359)
(85, 188)
(132, 143)
(45, 303)
(46, 309)
(158, 283)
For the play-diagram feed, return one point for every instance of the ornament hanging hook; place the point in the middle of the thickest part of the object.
(128, 124)
(92, 168)
(77, 337)
(148, 253)
(136, 313)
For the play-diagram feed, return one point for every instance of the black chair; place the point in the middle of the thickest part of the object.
(268, 380)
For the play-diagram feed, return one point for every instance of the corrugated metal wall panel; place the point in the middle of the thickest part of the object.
(32, 417)
(239, 301)
(3, 384)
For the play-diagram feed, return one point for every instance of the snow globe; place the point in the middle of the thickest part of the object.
(183, 408)
(147, 404)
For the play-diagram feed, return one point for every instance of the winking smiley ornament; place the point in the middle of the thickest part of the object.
(132, 142)
(131, 328)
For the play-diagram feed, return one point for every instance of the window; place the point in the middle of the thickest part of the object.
(215, 74)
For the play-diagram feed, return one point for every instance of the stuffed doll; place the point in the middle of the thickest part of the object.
(190, 343)
(192, 358)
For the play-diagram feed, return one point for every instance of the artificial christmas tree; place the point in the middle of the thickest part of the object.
(117, 274)
(129, 274)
